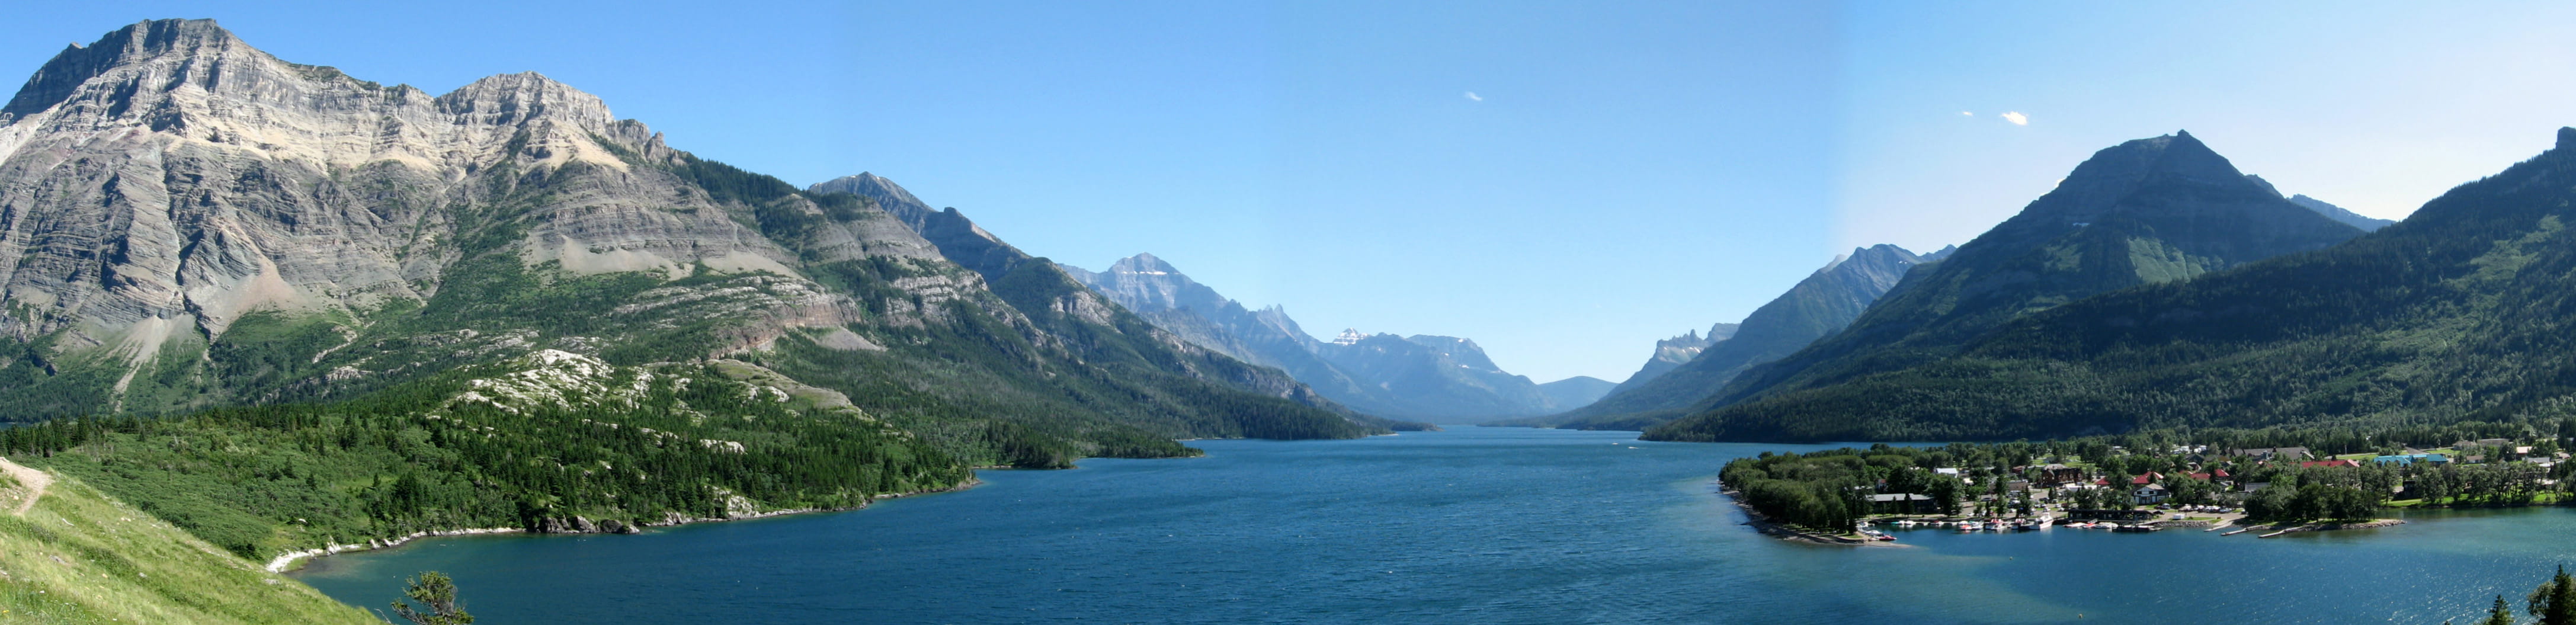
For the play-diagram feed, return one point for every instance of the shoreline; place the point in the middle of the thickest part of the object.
(2276, 530)
(1763, 524)
(293, 560)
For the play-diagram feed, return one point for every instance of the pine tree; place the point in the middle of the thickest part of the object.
(2499, 615)
(2555, 600)
(437, 595)
(2562, 600)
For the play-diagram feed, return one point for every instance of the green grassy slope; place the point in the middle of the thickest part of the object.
(80, 557)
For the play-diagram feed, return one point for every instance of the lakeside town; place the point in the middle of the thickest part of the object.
(1856, 496)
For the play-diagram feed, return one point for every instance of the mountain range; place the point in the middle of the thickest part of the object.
(2154, 218)
(2152, 210)
(192, 223)
(1419, 377)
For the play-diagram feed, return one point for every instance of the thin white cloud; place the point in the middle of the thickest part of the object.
(2017, 118)
(1967, 114)
(1471, 95)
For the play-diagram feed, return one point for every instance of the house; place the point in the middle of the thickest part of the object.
(2253, 486)
(1899, 503)
(2149, 494)
(2150, 478)
(2017, 486)
(2284, 454)
(2052, 475)
(2329, 463)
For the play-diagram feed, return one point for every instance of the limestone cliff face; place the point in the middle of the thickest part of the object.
(173, 178)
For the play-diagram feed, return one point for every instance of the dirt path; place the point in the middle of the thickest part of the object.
(30, 480)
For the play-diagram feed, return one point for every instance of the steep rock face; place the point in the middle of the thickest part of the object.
(1818, 306)
(186, 221)
(1424, 377)
(2147, 211)
(1672, 352)
(2460, 312)
(218, 180)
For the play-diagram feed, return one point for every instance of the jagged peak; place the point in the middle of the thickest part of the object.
(137, 42)
(1144, 263)
(1880, 254)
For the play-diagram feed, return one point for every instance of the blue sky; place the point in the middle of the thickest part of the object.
(1623, 171)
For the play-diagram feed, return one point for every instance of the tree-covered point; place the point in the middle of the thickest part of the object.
(692, 444)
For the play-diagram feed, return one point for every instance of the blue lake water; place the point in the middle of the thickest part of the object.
(1472, 525)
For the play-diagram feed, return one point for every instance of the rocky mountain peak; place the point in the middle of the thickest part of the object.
(133, 45)
(957, 237)
(2116, 172)
(888, 195)
(1147, 284)
(1145, 264)
(508, 99)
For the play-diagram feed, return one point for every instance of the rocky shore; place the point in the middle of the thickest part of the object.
(2277, 530)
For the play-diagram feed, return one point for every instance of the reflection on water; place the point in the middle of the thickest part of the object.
(1473, 525)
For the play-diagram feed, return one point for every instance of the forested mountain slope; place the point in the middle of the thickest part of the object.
(2146, 211)
(2462, 311)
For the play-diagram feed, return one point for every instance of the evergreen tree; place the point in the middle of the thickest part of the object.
(2499, 615)
(2555, 600)
(437, 596)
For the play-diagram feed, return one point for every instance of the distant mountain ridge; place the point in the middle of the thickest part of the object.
(1420, 377)
(1818, 306)
(1576, 391)
(1672, 352)
(2330, 211)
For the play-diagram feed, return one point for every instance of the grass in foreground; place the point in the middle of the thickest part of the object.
(79, 557)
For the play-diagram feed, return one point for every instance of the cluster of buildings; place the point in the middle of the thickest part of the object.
(2152, 488)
